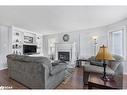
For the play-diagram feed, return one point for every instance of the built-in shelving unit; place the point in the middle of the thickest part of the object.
(19, 37)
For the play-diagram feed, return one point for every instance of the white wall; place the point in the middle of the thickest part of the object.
(4, 47)
(87, 43)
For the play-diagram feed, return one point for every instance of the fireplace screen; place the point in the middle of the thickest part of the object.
(65, 56)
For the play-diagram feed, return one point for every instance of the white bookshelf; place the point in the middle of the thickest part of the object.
(17, 40)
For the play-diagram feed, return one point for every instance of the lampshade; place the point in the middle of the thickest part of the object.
(104, 54)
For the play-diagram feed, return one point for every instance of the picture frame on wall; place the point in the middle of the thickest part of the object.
(28, 39)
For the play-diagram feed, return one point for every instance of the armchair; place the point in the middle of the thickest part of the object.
(114, 68)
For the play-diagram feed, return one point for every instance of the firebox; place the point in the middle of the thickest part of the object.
(65, 56)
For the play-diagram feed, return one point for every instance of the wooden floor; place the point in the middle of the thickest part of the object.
(74, 82)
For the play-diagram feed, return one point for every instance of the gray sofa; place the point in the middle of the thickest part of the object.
(35, 72)
(114, 68)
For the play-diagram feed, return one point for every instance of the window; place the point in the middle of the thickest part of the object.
(117, 42)
(51, 46)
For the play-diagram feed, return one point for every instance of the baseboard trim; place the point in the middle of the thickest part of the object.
(3, 68)
(125, 73)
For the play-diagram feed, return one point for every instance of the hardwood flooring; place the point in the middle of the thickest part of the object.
(7, 82)
(74, 82)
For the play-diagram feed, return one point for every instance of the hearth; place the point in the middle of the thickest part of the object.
(65, 56)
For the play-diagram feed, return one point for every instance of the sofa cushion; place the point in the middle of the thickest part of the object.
(58, 68)
(118, 58)
(92, 58)
(97, 63)
(98, 69)
(56, 62)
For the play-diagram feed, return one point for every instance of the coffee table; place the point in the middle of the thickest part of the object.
(95, 81)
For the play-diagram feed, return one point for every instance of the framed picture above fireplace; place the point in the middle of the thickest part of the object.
(28, 39)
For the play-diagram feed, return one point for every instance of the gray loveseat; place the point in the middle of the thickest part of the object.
(35, 72)
(114, 68)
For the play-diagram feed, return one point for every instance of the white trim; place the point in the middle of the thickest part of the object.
(123, 28)
(125, 73)
(3, 68)
(125, 43)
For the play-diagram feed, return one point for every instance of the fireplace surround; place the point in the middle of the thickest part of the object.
(66, 52)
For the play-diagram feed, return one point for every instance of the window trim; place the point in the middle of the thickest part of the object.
(123, 29)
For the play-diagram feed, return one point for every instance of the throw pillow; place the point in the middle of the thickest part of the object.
(97, 63)
(56, 62)
(118, 58)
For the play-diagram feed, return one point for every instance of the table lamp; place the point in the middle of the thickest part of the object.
(104, 55)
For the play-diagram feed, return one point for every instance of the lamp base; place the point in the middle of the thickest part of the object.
(105, 78)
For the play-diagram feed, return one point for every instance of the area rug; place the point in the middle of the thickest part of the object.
(68, 74)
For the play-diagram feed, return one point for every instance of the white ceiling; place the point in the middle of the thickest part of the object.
(53, 19)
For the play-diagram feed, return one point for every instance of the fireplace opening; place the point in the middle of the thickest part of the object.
(65, 56)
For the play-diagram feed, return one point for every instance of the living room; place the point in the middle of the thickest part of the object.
(50, 47)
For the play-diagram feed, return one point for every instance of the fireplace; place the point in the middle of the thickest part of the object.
(66, 52)
(65, 56)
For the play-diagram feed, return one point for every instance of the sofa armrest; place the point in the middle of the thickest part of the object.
(119, 70)
(45, 71)
(58, 68)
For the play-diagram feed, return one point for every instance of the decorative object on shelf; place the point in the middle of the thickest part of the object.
(17, 40)
(17, 34)
(28, 39)
(38, 37)
(13, 46)
(66, 37)
(16, 52)
(95, 44)
(16, 46)
(104, 55)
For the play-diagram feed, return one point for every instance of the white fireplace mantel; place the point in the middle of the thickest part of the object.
(67, 47)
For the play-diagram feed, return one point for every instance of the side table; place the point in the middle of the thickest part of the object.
(94, 81)
(79, 62)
